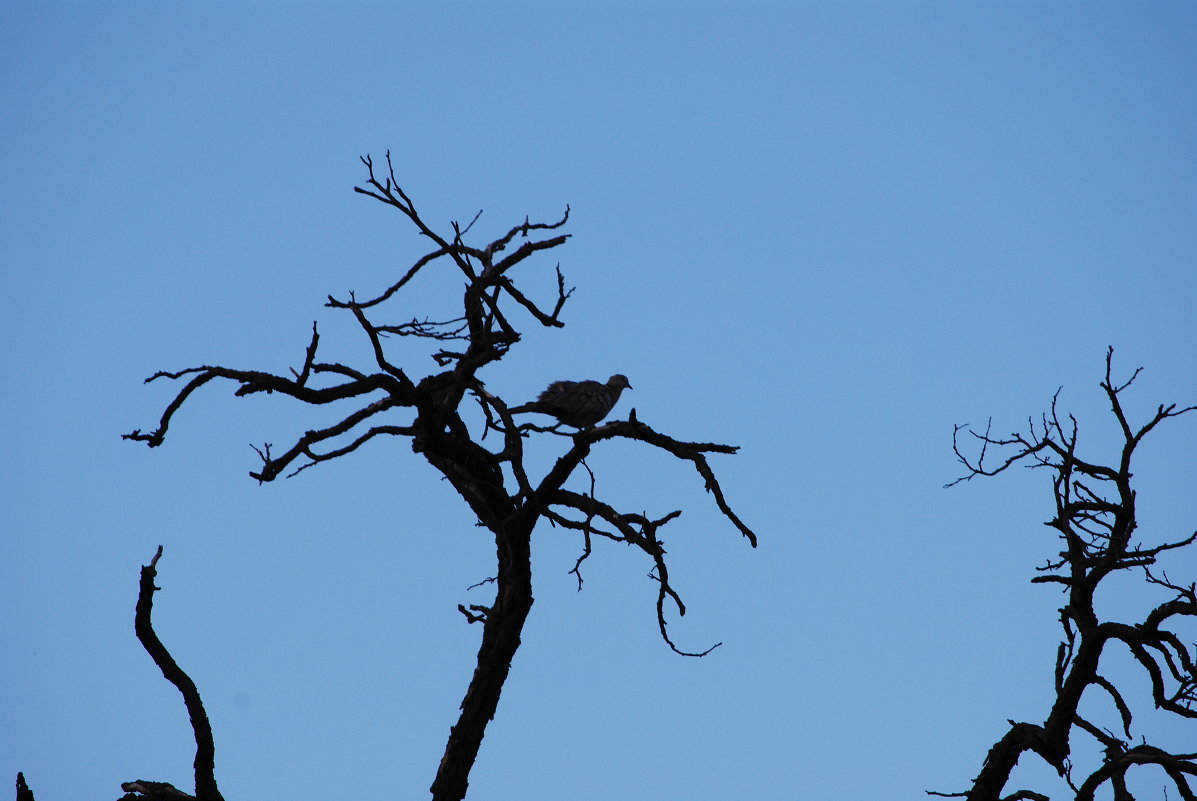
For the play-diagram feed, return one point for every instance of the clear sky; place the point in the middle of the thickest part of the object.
(825, 232)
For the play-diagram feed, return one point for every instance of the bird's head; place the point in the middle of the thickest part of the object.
(618, 381)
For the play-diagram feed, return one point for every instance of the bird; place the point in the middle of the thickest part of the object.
(578, 403)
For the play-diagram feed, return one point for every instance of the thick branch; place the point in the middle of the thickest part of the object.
(23, 791)
(205, 748)
(1119, 761)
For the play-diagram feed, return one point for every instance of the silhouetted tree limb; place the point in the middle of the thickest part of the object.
(142, 790)
(23, 791)
(205, 749)
(1096, 521)
(491, 477)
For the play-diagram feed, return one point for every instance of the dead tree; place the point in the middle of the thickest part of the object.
(1095, 520)
(395, 401)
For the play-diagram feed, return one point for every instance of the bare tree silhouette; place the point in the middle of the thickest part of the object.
(1095, 520)
(493, 481)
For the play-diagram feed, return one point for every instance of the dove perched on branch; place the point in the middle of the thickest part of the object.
(578, 403)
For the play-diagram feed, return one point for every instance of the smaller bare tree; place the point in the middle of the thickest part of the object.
(1096, 522)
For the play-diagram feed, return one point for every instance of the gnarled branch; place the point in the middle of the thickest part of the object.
(1097, 521)
(205, 748)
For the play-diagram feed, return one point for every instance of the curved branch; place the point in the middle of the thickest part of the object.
(205, 778)
(1119, 761)
(632, 428)
(638, 530)
(253, 381)
(393, 288)
(1123, 710)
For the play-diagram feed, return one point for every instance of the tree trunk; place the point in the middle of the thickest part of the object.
(500, 640)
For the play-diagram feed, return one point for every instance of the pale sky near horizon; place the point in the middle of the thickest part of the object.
(824, 232)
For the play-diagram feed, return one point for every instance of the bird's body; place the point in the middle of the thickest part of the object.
(578, 403)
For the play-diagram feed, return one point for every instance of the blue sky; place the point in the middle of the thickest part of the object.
(825, 232)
